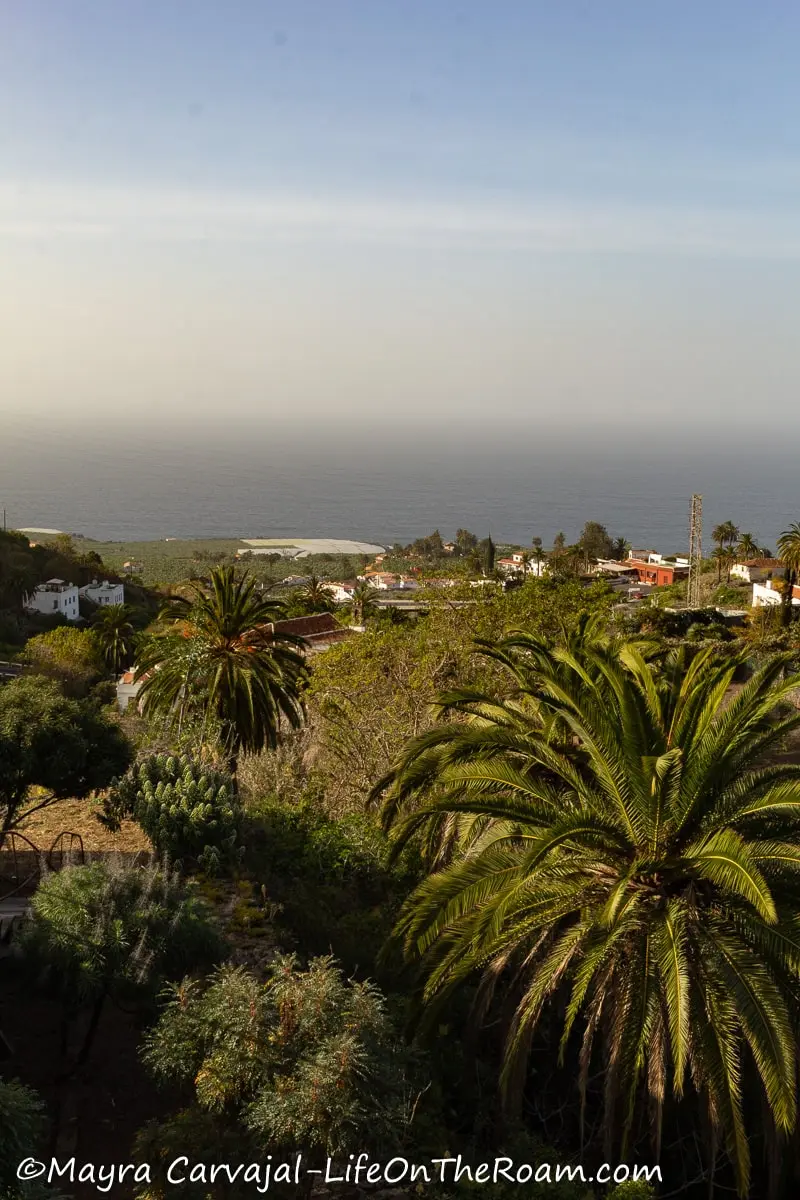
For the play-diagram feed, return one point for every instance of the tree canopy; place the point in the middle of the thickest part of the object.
(608, 835)
(65, 747)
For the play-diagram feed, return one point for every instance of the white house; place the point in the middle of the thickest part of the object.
(127, 690)
(514, 564)
(104, 593)
(386, 581)
(768, 594)
(342, 593)
(55, 598)
(756, 570)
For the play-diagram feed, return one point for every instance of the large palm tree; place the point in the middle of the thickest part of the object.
(115, 635)
(364, 600)
(726, 534)
(747, 547)
(219, 656)
(316, 596)
(608, 839)
(789, 550)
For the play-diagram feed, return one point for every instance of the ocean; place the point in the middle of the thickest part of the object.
(122, 483)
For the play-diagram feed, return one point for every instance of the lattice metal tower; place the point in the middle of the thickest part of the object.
(695, 552)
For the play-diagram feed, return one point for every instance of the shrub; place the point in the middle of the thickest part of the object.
(300, 839)
(21, 1127)
(104, 932)
(308, 1061)
(189, 811)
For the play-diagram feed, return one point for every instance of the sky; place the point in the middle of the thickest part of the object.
(409, 211)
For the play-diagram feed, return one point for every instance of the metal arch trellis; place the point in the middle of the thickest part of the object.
(43, 859)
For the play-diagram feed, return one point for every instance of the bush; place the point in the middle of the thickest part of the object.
(308, 1061)
(21, 1127)
(300, 839)
(103, 932)
(189, 811)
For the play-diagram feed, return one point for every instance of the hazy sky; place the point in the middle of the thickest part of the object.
(373, 208)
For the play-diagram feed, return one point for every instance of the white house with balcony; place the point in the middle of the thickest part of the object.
(104, 593)
(55, 598)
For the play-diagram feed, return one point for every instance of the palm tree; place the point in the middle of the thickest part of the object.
(725, 534)
(789, 550)
(722, 557)
(364, 601)
(220, 656)
(536, 543)
(747, 547)
(619, 548)
(726, 557)
(316, 596)
(607, 840)
(114, 635)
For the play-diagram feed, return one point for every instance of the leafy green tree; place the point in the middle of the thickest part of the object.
(465, 542)
(595, 542)
(371, 693)
(98, 933)
(536, 543)
(52, 748)
(221, 657)
(619, 847)
(308, 1062)
(114, 635)
(189, 811)
(68, 654)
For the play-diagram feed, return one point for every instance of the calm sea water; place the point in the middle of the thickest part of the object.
(113, 484)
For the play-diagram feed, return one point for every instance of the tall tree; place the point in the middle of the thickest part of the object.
(595, 542)
(316, 596)
(789, 550)
(364, 601)
(726, 534)
(114, 635)
(220, 657)
(536, 543)
(747, 547)
(618, 850)
(487, 549)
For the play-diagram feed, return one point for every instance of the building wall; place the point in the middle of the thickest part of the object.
(765, 596)
(105, 594)
(657, 574)
(52, 603)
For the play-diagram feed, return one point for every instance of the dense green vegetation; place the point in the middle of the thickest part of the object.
(518, 874)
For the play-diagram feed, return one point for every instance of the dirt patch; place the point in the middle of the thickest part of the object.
(78, 816)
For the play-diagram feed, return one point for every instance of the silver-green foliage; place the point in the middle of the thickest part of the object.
(189, 810)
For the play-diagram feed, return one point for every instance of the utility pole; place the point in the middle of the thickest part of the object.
(695, 552)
